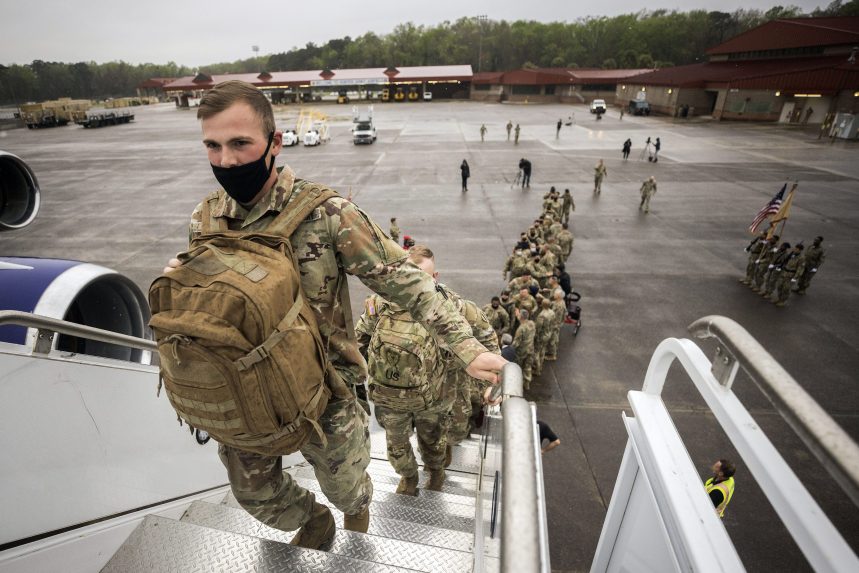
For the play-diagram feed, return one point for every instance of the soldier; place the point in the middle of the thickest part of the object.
(525, 281)
(509, 127)
(648, 190)
(812, 258)
(600, 173)
(482, 132)
(497, 316)
(565, 241)
(516, 142)
(394, 231)
(242, 143)
(556, 249)
(567, 204)
(754, 249)
(523, 343)
(765, 257)
(787, 278)
(407, 376)
(516, 265)
(560, 309)
(775, 268)
(544, 323)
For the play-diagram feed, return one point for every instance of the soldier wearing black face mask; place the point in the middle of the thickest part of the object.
(244, 182)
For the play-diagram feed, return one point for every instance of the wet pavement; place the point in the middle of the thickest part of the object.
(121, 196)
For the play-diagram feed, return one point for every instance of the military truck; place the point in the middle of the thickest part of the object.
(54, 113)
(92, 120)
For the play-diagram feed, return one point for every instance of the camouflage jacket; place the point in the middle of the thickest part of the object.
(567, 202)
(545, 322)
(600, 171)
(498, 318)
(648, 188)
(813, 257)
(565, 239)
(339, 238)
(523, 342)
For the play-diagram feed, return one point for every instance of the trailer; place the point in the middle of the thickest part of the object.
(54, 113)
(105, 119)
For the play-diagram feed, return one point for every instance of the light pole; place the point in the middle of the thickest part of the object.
(255, 49)
(481, 18)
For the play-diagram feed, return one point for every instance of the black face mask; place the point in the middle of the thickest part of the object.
(243, 182)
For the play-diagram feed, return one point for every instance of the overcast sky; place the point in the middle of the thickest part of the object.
(194, 33)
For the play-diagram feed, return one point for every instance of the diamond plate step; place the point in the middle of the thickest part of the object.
(452, 477)
(417, 555)
(439, 503)
(388, 482)
(464, 457)
(164, 545)
(392, 511)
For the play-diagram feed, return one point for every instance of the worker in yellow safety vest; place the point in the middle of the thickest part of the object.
(720, 487)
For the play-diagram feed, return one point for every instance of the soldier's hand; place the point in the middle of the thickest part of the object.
(486, 366)
(486, 399)
(173, 263)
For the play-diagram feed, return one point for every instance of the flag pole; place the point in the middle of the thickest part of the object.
(790, 196)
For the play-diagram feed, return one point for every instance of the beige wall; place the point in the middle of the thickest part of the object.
(750, 105)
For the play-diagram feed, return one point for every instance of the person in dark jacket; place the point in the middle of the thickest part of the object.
(627, 147)
(466, 173)
(525, 166)
(564, 279)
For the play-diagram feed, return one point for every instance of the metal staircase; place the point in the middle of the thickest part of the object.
(433, 532)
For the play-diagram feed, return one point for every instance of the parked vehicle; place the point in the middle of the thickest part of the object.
(598, 106)
(363, 130)
(639, 107)
(427, 96)
(290, 138)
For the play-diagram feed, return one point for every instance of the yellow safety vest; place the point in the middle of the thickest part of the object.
(727, 489)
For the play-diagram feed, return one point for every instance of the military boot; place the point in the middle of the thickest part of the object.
(318, 530)
(436, 480)
(359, 522)
(408, 485)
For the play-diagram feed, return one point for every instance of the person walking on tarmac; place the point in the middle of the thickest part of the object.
(525, 166)
(720, 487)
(466, 173)
(509, 127)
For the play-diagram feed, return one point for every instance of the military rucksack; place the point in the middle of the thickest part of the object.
(241, 354)
(405, 364)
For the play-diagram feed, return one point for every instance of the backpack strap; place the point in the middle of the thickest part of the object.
(210, 223)
(299, 208)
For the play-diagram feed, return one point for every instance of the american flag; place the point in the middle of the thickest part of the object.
(770, 208)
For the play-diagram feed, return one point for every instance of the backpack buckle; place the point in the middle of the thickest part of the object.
(258, 354)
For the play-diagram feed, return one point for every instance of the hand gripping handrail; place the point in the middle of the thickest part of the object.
(47, 326)
(830, 444)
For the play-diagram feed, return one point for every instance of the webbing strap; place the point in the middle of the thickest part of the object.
(299, 208)
(198, 422)
(293, 426)
(262, 351)
(219, 408)
(208, 222)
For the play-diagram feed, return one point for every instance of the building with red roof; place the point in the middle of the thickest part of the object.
(309, 85)
(793, 70)
(571, 85)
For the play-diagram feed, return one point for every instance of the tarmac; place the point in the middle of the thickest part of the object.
(121, 197)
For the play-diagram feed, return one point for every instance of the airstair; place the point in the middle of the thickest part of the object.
(169, 509)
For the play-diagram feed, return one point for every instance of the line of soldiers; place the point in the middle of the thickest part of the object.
(778, 269)
(533, 306)
(416, 385)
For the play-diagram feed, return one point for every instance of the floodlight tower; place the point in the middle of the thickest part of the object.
(481, 18)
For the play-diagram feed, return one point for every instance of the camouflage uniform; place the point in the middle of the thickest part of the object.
(775, 272)
(787, 277)
(560, 309)
(812, 258)
(524, 281)
(336, 237)
(515, 265)
(565, 241)
(431, 417)
(567, 204)
(469, 391)
(769, 252)
(523, 342)
(648, 189)
(755, 249)
(600, 172)
(545, 322)
(394, 232)
(498, 318)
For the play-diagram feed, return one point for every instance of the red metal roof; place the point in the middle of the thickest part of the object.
(804, 73)
(793, 33)
(549, 76)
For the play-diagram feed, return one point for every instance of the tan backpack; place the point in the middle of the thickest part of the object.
(404, 362)
(241, 354)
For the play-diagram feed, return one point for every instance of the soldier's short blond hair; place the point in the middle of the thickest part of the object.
(417, 253)
(225, 94)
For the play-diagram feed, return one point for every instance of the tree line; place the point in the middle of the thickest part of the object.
(647, 39)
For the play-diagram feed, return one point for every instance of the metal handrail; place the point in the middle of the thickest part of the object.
(522, 543)
(47, 326)
(838, 453)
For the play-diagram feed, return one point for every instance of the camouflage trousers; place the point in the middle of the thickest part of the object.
(270, 494)
(784, 284)
(527, 364)
(541, 347)
(468, 402)
(805, 280)
(431, 425)
(760, 276)
(554, 339)
(772, 280)
(751, 266)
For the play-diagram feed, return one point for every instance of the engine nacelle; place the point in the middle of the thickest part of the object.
(19, 193)
(82, 293)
